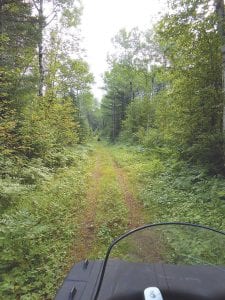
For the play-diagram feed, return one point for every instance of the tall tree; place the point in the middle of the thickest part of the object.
(67, 11)
(132, 74)
(18, 43)
(219, 5)
(193, 96)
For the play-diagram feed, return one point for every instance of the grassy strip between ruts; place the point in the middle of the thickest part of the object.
(37, 233)
(173, 190)
(111, 218)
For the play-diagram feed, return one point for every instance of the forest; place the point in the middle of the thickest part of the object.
(155, 140)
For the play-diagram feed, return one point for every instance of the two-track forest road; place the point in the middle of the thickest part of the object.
(111, 207)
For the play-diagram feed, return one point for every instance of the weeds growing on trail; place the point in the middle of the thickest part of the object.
(111, 213)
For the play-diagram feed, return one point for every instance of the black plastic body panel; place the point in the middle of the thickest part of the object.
(84, 278)
(124, 280)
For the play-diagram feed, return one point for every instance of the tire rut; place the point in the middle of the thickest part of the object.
(88, 231)
(136, 210)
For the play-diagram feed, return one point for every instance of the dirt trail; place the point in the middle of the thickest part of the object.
(88, 229)
(149, 241)
(136, 210)
(87, 233)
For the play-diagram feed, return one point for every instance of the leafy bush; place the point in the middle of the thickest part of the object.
(33, 175)
(10, 192)
(150, 138)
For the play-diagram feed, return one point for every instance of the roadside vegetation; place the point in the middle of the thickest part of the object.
(38, 230)
(171, 189)
(75, 212)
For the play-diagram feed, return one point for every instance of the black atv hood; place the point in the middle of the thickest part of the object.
(125, 280)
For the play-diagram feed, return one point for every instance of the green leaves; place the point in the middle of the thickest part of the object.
(165, 88)
(29, 125)
(193, 96)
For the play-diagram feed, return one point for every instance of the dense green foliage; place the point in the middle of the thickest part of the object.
(18, 32)
(36, 127)
(165, 87)
(37, 232)
(45, 106)
(173, 190)
(194, 96)
(128, 79)
(163, 95)
(66, 82)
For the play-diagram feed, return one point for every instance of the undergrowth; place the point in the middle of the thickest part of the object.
(43, 207)
(41, 218)
(173, 190)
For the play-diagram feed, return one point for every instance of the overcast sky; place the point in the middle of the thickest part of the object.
(102, 19)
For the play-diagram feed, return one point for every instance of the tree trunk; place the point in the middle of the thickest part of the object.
(221, 19)
(223, 85)
(40, 49)
(114, 120)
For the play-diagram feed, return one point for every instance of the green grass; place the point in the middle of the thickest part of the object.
(112, 214)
